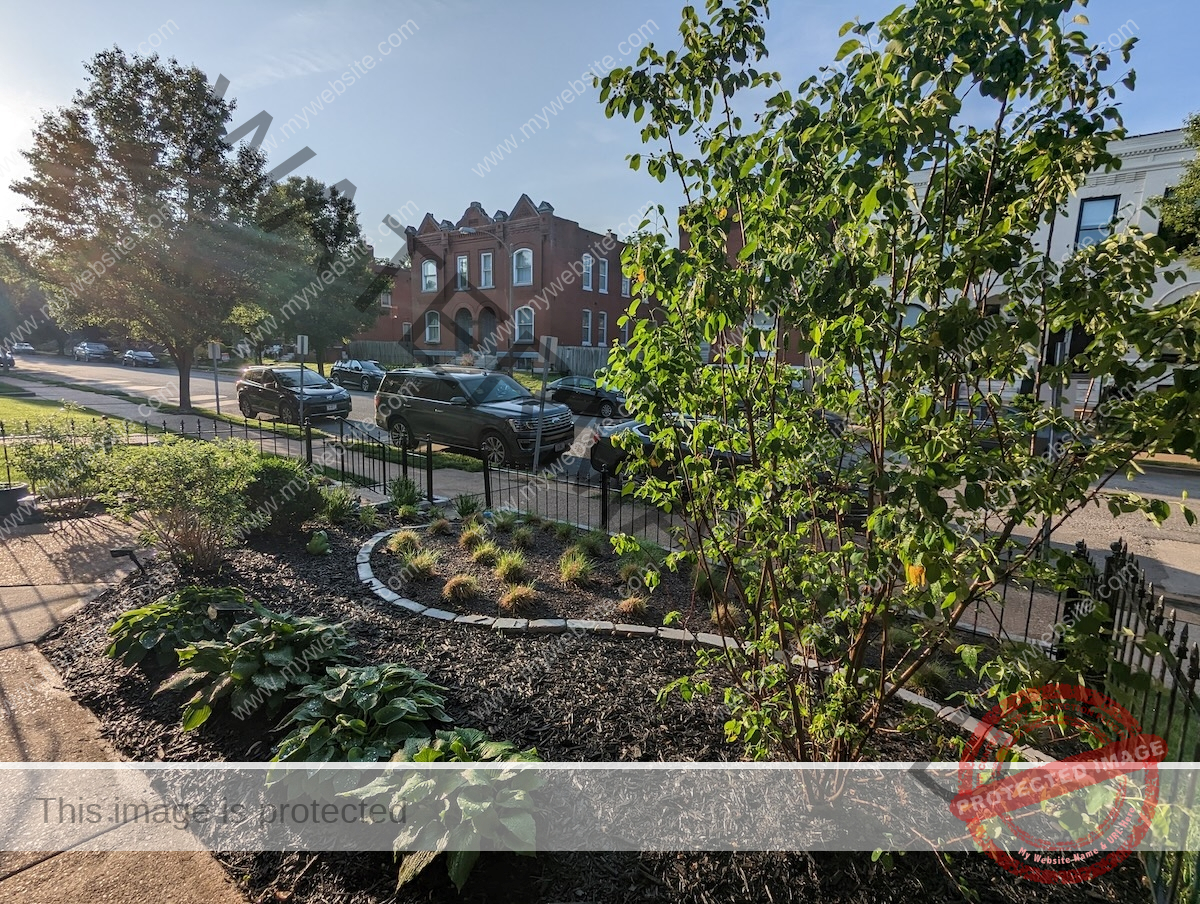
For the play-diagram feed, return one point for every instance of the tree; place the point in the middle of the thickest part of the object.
(880, 222)
(139, 211)
(323, 283)
(24, 307)
(1181, 207)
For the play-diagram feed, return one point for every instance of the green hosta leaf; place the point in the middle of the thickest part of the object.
(281, 657)
(395, 711)
(523, 827)
(459, 865)
(195, 716)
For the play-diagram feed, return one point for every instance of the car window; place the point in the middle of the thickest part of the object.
(487, 388)
(253, 376)
(585, 383)
(291, 378)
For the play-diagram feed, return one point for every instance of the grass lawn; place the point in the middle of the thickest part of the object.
(15, 411)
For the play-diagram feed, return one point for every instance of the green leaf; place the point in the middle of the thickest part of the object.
(847, 48)
(195, 716)
(459, 865)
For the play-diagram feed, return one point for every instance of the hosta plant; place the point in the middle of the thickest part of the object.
(175, 620)
(257, 666)
(361, 714)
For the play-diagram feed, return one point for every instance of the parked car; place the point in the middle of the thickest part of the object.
(93, 351)
(364, 375)
(135, 358)
(583, 395)
(6, 359)
(481, 412)
(276, 390)
(23, 348)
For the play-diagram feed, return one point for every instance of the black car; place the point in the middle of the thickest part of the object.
(135, 358)
(356, 374)
(93, 351)
(478, 411)
(584, 395)
(277, 391)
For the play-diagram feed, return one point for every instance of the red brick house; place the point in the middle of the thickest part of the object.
(495, 284)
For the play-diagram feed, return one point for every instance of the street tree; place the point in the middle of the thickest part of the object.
(140, 214)
(878, 226)
(1181, 207)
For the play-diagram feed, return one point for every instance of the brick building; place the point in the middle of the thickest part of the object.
(495, 284)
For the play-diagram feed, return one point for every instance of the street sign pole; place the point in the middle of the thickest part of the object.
(214, 352)
(302, 348)
(549, 350)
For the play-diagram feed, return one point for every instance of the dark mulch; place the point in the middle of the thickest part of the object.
(581, 698)
(596, 599)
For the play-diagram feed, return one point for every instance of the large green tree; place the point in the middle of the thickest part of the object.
(140, 214)
(1181, 206)
(888, 222)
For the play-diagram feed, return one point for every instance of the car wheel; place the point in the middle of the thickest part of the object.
(606, 409)
(365, 385)
(399, 433)
(290, 414)
(493, 448)
(247, 408)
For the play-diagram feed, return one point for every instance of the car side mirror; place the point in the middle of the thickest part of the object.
(458, 400)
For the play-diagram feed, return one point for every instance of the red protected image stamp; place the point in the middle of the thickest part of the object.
(1070, 820)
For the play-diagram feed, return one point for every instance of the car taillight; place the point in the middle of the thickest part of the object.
(595, 436)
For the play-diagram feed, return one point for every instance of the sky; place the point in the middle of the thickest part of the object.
(427, 98)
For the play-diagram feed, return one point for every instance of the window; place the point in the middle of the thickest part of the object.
(429, 276)
(1095, 217)
(587, 327)
(462, 273)
(625, 332)
(604, 276)
(485, 270)
(433, 328)
(385, 299)
(406, 332)
(524, 324)
(602, 326)
(522, 267)
(587, 273)
(625, 286)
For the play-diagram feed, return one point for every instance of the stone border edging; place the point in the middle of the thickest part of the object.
(955, 716)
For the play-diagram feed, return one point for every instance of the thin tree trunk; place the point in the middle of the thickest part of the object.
(183, 359)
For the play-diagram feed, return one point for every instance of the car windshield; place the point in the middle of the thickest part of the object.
(291, 378)
(373, 367)
(494, 388)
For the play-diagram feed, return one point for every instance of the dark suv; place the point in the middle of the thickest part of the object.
(488, 414)
(276, 390)
(355, 374)
(93, 351)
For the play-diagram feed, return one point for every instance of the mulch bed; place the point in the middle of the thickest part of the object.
(596, 599)
(588, 698)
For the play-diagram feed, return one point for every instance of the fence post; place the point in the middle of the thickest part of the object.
(404, 457)
(487, 483)
(429, 469)
(1073, 599)
(342, 449)
(308, 441)
(604, 497)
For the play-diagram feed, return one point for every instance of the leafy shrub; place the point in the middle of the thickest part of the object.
(510, 567)
(404, 542)
(361, 714)
(64, 457)
(504, 520)
(191, 493)
(408, 514)
(486, 553)
(460, 588)
(257, 666)
(517, 598)
(498, 810)
(368, 517)
(467, 505)
(339, 504)
(522, 537)
(574, 567)
(632, 606)
(404, 492)
(282, 496)
(440, 527)
(472, 536)
(172, 621)
(421, 566)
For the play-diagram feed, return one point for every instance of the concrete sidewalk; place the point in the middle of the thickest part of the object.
(47, 570)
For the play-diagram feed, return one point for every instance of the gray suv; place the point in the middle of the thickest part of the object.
(485, 413)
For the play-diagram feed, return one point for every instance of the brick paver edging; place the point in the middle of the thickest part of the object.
(953, 715)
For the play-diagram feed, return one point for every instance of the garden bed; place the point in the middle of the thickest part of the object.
(573, 697)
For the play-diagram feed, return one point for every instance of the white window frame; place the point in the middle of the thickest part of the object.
(603, 276)
(486, 277)
(1104, 231)
(433, 328)
(462, 272)
(602, 329)
(429, 279)
(587, 327)
(385, 299)
(406, 330)
(516, 277)
(625, 287)
(587, 273)
(524, 330)
(625, 332)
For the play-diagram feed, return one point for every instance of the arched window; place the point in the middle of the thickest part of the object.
(433, 328)
(524, 324)
(429, 276)
(522, 267)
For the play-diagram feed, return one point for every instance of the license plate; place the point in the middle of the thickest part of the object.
(331, 407)
(561, 447)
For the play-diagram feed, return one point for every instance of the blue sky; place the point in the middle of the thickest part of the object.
(414, 129)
